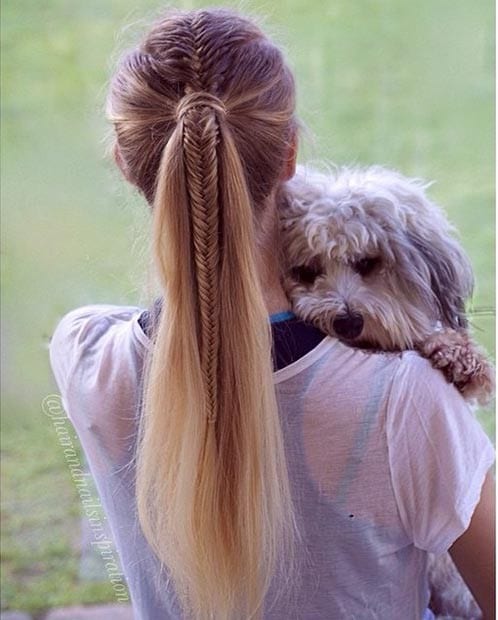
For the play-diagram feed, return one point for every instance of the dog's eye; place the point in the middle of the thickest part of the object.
(365, 266)
(307, 274)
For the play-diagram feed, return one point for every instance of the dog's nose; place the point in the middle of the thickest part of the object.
(348, 325)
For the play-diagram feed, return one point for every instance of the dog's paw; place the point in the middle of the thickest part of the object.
(463, 362)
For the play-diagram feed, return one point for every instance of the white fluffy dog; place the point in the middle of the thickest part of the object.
(371, 260)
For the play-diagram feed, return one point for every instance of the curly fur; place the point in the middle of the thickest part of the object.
(462, 361)
(450, 597)
(369, 259)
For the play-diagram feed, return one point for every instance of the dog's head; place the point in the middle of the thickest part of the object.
(370, 259)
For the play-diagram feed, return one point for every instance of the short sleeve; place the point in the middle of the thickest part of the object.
(68, 343)
(438, 454)
(97, 360)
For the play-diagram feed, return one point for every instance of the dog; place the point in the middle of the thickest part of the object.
(370, 260)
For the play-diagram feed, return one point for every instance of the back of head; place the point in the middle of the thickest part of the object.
(214, 52)
(203, 112)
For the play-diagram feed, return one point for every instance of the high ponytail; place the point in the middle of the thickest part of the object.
(212, 485)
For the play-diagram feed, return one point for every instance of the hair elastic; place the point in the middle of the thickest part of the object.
(199, 99)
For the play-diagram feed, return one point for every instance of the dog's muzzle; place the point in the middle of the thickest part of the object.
(348, 326)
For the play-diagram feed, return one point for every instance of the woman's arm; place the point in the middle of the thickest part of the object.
(474, 552)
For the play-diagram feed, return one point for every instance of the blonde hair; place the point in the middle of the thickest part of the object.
(203, 112)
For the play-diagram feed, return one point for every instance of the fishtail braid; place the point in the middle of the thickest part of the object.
(200, 140)
(199, 111)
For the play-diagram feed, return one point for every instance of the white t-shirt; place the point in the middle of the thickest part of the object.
(386, 463)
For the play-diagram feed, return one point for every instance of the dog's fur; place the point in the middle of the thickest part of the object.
(371, 260)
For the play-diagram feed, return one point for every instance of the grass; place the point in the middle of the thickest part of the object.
(40, 523)
(408, 85)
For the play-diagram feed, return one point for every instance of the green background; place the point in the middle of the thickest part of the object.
(404, 84)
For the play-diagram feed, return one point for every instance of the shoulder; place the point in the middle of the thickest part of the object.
(424, 388)
(403, 374)
(424, 412)
(84, 329)
(412, 367)
(89, 316)
(420, 396)
(85, 324)
(401, 371)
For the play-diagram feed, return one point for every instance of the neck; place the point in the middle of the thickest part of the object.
(268, 261)
(276, 301)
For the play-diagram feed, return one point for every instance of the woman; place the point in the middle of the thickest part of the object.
(275, 488)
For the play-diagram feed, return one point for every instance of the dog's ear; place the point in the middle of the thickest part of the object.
(450, 273)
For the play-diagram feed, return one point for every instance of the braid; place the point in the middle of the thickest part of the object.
(200, 111)
(196, 29)
(200, 140)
